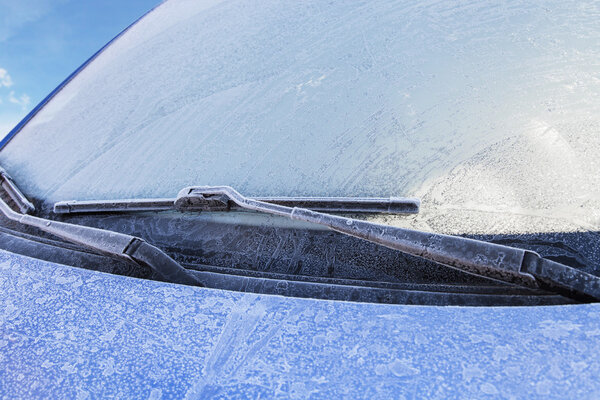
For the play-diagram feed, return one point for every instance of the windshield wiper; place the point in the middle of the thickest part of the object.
(390, 205)
(508, 264)
(490, 260)
(117, 244)
(25, 206)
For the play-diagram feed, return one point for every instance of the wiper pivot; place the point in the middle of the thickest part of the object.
(569, 282)
(146, 254)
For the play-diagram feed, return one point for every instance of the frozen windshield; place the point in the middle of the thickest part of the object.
(472, 107)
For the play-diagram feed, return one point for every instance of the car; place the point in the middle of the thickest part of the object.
(378, 199)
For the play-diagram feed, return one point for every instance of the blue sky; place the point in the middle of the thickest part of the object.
(43, 41)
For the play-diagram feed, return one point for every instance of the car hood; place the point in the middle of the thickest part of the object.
(72, 333)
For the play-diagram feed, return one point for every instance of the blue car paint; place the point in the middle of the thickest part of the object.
(72, 333)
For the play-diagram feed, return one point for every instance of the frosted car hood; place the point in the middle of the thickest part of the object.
(72, 333)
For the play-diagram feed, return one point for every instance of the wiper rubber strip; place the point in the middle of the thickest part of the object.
(508, 264)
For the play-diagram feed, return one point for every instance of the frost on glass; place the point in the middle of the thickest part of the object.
(480, 106)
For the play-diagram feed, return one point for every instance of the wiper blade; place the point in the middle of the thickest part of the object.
(117, 244)
(112, 206)
(508, 264)
(25, 206)
(390, 205)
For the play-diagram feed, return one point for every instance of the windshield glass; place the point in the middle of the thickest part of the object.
(489, 113)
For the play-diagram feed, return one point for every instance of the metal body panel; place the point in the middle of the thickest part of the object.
(71, 333)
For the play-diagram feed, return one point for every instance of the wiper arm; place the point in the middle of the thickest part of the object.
(117, 244)
(390, 205)
(508, 264)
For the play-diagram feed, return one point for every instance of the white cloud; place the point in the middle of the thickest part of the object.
(22, 100)
(5, 79)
